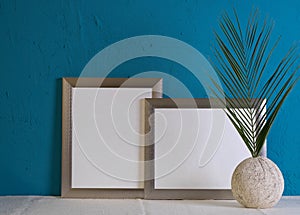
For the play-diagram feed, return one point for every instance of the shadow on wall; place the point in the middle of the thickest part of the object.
(55, 168)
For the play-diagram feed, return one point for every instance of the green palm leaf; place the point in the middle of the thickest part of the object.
(243, 60)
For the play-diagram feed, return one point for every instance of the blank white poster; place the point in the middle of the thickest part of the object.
(106, 137)
(195, 149)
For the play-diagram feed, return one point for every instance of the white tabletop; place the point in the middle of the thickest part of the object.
(44, 205)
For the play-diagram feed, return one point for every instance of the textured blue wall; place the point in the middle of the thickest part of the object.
(42, 41)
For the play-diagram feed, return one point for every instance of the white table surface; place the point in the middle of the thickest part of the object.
(44, 205)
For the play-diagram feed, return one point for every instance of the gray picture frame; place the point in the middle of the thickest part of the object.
(66, 166)
(150, 191)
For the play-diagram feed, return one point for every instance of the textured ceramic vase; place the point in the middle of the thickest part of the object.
(257, 183)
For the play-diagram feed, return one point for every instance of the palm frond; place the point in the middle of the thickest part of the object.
(243, 61)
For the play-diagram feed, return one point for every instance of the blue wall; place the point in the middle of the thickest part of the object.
(42, 41)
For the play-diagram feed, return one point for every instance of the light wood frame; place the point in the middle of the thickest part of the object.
(67, 84)
(150, 191)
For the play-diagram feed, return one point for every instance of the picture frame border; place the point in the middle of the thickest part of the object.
(66, 165)
(150, 106)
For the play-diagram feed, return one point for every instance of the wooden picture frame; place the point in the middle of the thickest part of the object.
(69, 84)
(153, 192)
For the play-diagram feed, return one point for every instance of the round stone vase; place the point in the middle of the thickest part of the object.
(257, 183)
